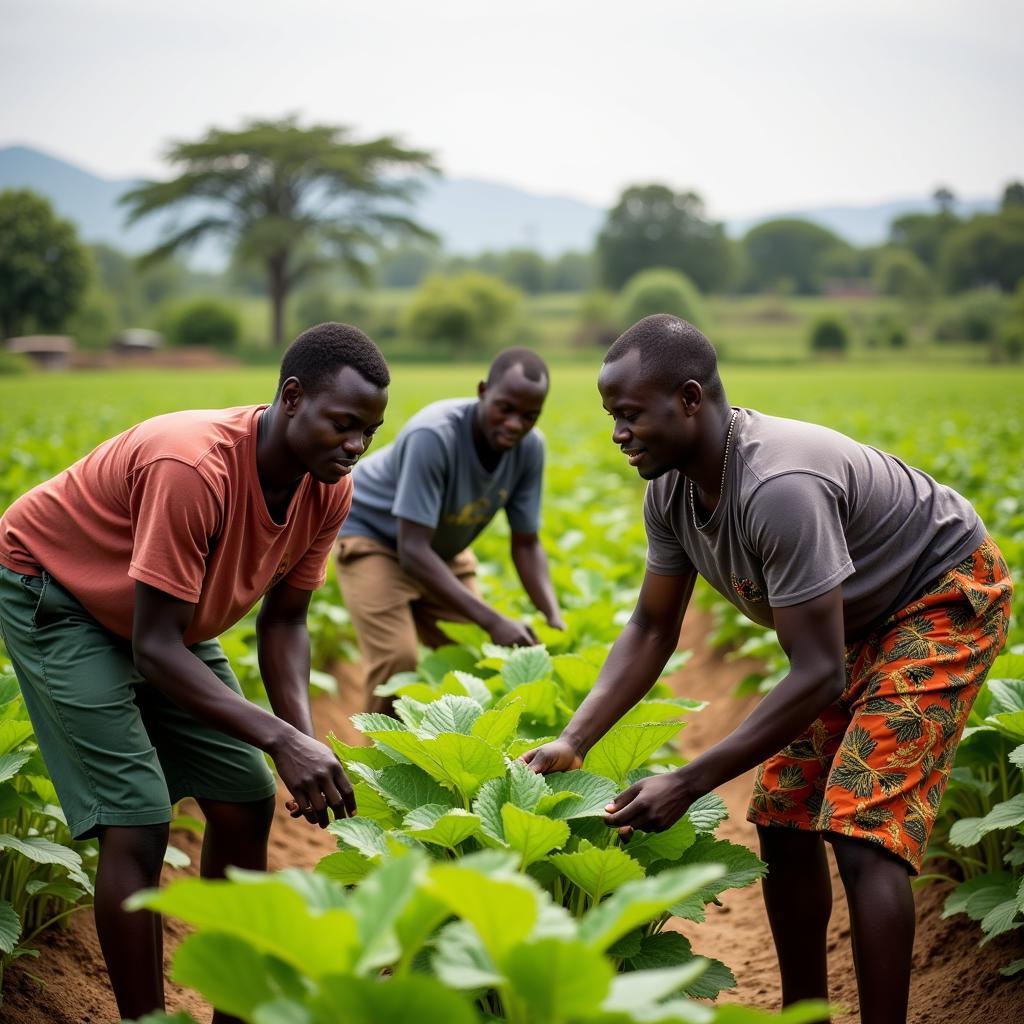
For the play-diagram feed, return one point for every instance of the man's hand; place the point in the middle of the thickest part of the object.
(314, 777)
(653, 804)
(557, 756)
(556, 622)
(511, 633)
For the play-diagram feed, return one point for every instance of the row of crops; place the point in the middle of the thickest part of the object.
(474, 889)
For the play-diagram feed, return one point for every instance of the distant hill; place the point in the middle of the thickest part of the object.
(468, 214)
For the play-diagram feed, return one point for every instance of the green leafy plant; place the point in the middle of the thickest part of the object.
(423, 941)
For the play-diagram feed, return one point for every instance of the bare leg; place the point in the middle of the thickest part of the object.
(236, 836)
(798, 897)
(882, 919)
(132, 942)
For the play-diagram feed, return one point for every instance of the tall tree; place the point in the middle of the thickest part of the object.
(43, 268)
(652, 226)
(292, 198)
(788, 252)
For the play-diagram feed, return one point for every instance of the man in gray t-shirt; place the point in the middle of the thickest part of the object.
(418, 503)
(886, 594)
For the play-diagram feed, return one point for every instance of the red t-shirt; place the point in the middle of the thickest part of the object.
(174, 502)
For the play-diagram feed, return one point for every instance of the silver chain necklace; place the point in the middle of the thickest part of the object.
(721, 489)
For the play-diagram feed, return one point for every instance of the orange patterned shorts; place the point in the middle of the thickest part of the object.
(874, 765)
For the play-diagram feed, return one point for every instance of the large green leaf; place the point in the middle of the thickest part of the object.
(361, 834)
(707, 812)
(11, 764)
(540, 701)
(376, 904)
(1007, 695)
(498, 726)
(957, 901)
(270, 915)
(643, 988)
(1000, 919)
(502, 908)
(460, 961)
(597, 872)
(532, 835)
(809, 1012)
(651, 847)
(520, 787)
(742, 868)
(636, 903)
(407, 786)
(526, 665)
(625, 747)
(42, 851)
(370, 722)
(409, 1000)
(442, 825)
(10, 927)
(449, 714)
(557, 980)
(227, 971)
(1017, 756)
(345, 866)
(466, 634)
(577, 673)
(350, 755)
(593, 793)
(12, 733)
(970, 831)
(462, 762)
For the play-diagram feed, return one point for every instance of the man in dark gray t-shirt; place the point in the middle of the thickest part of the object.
(890, 601)
(418, 503)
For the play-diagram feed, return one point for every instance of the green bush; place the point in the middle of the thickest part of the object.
(887, 331)
(203, 322)
(662, 290)
(464, 312)
(830, 336)
(976, 317)
(900, 273)
(599, 322)
(97, 319)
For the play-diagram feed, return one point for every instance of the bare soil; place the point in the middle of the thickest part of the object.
(955, 981)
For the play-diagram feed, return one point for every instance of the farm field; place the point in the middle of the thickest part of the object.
(965, 425)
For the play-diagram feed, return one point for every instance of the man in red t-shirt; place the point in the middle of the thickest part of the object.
(117, 576)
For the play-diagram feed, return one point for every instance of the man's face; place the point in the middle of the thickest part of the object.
(650, 424)
(509, 408)
(328, 431)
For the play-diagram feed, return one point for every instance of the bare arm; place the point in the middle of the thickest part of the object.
(532, 566)
(282, 640)
(426, 566)
(309, 769)
(812, 636)
(630, 670)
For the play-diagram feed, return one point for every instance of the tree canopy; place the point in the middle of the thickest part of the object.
(292, 198)
(788, 253)
(653, 226)
(43, 268)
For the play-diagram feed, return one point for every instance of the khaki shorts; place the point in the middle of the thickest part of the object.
(390, 610)
(119, 752)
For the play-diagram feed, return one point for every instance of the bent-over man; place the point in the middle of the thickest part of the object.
(403, 555)
(890, 601)
(117, 576)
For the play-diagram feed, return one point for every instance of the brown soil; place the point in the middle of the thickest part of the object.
(954, 981)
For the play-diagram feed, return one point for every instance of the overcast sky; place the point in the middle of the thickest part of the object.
(758, 105)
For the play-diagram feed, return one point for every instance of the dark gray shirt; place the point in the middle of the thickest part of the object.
(431, 475)
(805, 508)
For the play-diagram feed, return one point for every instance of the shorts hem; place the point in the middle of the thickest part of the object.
(874, 838)
(86, 828)
(238, 796)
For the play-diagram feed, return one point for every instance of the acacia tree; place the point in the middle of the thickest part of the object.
(294, 199)
(43, 268)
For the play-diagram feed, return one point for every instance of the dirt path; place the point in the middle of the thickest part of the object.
(954, 981)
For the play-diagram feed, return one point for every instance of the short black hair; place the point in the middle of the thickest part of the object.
(318, 353)
(672, 351)
(534, 368)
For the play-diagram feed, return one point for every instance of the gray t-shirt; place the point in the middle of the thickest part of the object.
(805, 508)
(431, 474)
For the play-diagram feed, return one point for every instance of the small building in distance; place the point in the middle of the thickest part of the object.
(137, 341)
(47, 351)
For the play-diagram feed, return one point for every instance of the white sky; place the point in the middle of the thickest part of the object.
(758, 105)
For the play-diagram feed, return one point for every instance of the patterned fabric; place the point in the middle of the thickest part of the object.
(875, 764)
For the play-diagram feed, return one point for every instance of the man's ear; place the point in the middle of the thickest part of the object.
(690, 397)
(481, 389)
(291, 396)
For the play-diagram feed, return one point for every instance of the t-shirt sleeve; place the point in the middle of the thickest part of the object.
(174, 514)
(310, 571)
(420, 483)
(795, 525)
(666, 556)
(523, 506)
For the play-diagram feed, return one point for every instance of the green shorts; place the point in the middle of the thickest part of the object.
(119, 752)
